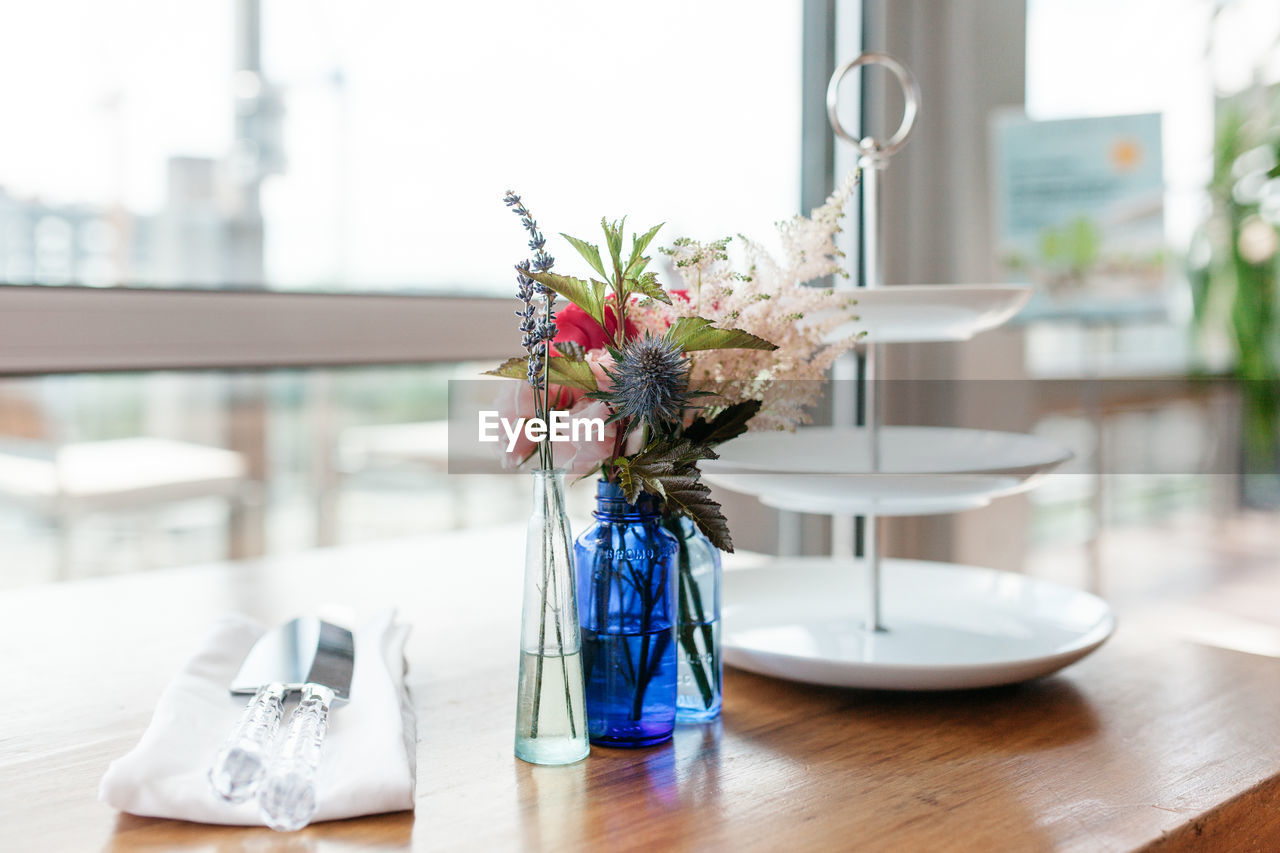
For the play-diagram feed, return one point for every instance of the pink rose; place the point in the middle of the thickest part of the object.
(514, 401)
(634, 443)
(581, 457)
(598, 360)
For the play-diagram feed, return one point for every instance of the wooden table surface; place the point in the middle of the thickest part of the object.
(1168, 737)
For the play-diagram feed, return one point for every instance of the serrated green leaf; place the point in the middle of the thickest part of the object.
(670, 454)
(731, 422)
(587, 295)
(570, 372)
(512, 368)
(647, 284)
(696, 333)
(639, 243)
(572, 349)
(589, 252)
(668, 468)
(629, 483)
(613, 240)
(692, 497)
(561, 370)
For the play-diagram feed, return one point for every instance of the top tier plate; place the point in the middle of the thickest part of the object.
(920, 313)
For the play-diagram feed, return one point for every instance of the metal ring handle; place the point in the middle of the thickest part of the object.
(910, 104)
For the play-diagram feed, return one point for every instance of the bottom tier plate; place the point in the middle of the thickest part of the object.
(949, 627)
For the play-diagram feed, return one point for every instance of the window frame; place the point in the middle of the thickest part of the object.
(74, 329)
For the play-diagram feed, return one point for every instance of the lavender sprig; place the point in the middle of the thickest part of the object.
(536, 332)
(542, 262)
(531, 328)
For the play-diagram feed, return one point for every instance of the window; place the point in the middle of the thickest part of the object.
(163, 159)
(1176, 58)
(1097, 59)
(366, 145)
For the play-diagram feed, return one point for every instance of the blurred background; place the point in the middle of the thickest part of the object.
(362, 149)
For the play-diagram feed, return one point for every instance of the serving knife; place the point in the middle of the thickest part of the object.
(305, 655)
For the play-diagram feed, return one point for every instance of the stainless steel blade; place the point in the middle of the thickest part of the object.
(303, 651)
(334, 660)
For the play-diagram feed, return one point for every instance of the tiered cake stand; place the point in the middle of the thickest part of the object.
(898, 624)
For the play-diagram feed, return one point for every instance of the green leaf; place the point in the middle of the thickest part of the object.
(571, 372)
(647, 284)
(730, 423)
(561, 370)
(672, 453)
(668, 468)
(639, 243)
(627, 479)
(512, 368)
(589, 252)
(587, 295)
(572, 349)
(696, 333)
(613, 239)
(692, 497)
(636, 471)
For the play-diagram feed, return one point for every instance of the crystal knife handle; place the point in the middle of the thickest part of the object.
(287, 796)
(237, 769)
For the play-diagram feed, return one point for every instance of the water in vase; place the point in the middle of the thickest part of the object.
(561, 735)
(631, 686)
(699, 673)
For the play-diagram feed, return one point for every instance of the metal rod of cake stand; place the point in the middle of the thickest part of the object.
(872, 156)
(869, 258)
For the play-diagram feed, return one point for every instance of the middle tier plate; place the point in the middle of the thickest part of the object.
(920, 470)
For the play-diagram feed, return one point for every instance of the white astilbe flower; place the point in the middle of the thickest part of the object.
(767, 298)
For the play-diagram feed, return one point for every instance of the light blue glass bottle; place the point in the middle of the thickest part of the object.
(701, 669)
(550, 703)
(626, 564)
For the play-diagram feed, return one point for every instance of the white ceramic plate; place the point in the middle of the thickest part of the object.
(949, 627)
(915, 313)
(921, 470)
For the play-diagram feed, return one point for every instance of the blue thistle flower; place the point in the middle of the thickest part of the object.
(650, 380)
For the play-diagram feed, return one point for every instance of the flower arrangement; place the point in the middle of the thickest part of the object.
(670, 375)
(602, 364)
(674, 373)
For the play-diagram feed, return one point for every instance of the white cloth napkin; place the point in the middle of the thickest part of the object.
(369, 755)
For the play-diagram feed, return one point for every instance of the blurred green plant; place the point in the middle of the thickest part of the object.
(1071, 250)
(1235, 266)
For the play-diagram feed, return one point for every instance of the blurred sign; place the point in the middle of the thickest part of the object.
(1080, 214)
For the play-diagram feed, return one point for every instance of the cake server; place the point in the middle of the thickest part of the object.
(283, 660)
(287, 792)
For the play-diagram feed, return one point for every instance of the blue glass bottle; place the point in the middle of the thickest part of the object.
(626, 565)
(701, 668)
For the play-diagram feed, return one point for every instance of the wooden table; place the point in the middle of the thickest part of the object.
(1168, 738)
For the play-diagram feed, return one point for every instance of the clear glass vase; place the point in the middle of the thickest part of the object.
(701, 669)
(551, 725)
(626, 596)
